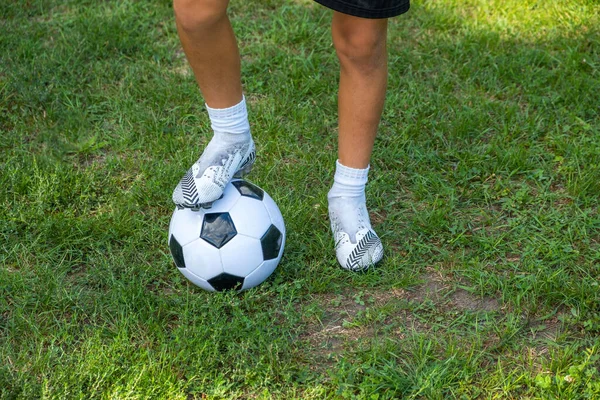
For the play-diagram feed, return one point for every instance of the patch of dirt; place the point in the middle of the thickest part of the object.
(77, 273)
(88, 160)
(334, 330)
(255, 98)
(182, 67)
(512, 257)
(464, 300)
(378, 216)
(332, 327)
(545, 332)
(437, 288)
(432, 288)
(183, 70)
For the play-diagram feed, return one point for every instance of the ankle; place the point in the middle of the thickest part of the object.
(230, 123)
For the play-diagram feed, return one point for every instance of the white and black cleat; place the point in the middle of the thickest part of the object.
(357, 246)
(362, 253)
(205, 181)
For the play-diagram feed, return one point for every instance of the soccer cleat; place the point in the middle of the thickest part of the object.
(360, 255)
(205, 181)
(361, 248)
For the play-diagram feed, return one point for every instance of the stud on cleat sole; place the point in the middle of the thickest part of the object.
(203, 206)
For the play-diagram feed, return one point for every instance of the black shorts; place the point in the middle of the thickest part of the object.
(368, 8)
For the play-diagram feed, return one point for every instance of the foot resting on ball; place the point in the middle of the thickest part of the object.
(229, 154)
(221, 161)
(357, 246)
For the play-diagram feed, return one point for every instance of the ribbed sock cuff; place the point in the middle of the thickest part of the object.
(232, 120)
(348, 182)
(350, 176)
(238, 109)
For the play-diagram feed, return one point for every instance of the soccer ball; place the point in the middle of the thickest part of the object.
(234, 244)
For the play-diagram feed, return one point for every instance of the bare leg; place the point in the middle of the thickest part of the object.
(361, 48)
(211, 49)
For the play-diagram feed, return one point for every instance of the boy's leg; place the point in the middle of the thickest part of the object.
(361, 49)
(211, 49)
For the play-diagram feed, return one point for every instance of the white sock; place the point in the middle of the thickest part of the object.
(230, 125)
(347, 202)
(231, 130)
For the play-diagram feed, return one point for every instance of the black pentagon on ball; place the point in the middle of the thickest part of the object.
(226, 281)
(217, 229)
(176, 252)
(271, 243)
(249, 190)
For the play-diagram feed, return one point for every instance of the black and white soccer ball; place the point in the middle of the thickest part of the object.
(235, 244)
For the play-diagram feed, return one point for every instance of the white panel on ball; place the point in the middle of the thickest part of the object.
(202, 259)
(241, 255)
(261, 273)
(196, 280)
(230, 197)
(274, 213)
(186, 224)
(250, 217)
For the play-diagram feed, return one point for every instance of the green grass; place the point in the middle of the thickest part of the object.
(485, 186)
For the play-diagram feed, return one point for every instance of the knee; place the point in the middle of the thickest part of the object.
(197, 15)
(365, 50)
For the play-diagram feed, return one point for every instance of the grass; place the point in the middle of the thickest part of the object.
(485, 185)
